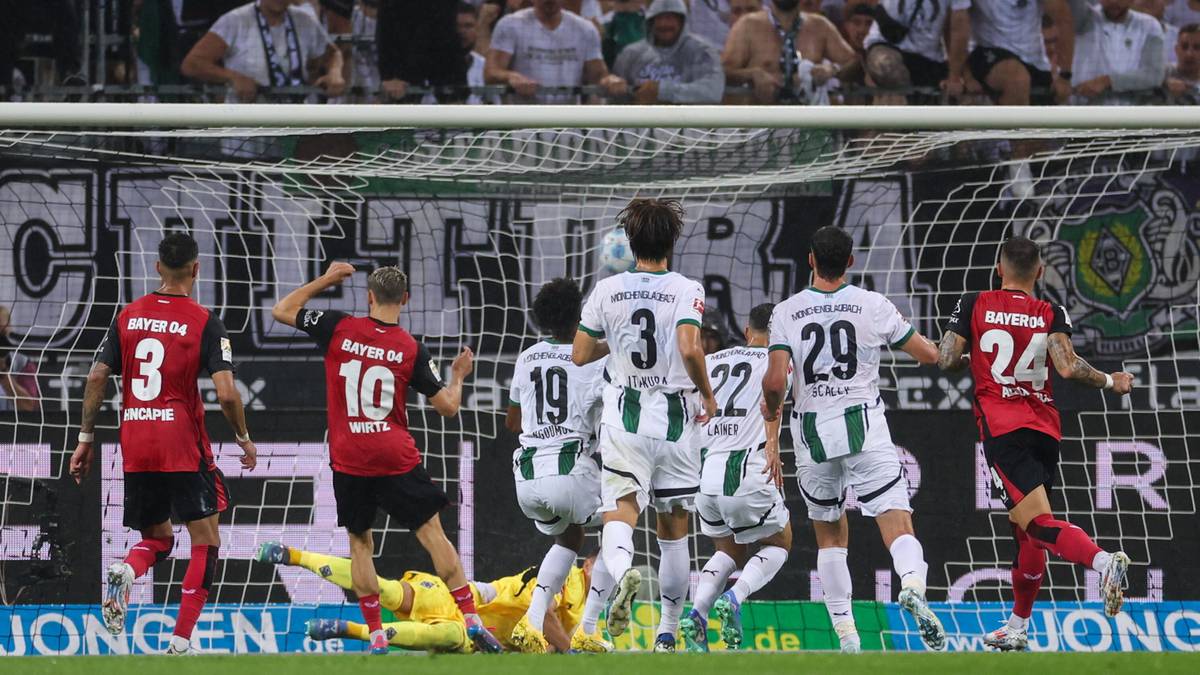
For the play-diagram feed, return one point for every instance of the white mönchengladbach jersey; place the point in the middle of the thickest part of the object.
(557, 399)
(736, 375)
(835, 339)
(650, 393)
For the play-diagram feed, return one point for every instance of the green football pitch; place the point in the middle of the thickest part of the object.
(615, 664)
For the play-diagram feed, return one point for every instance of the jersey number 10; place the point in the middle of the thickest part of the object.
(360, 395)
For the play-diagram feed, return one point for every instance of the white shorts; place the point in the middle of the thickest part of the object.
(663, 473)
(747, 518)
(554, 503)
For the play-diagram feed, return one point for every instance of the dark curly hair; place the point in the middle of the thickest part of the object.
(653, 226)
(178, 251)
(556, 308)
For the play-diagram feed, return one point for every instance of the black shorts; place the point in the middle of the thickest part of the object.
(153, 497)
(1020, 461)
(983, 59)
(411, 498)
(922, 72)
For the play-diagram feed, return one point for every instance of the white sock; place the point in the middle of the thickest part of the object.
(551, 574)
(712, 581)
(1017, 622)
(1100, 562)
(758, 572)
(616, 547)
(601, 588)
(909, 560)
(835, 581)
(674, 575)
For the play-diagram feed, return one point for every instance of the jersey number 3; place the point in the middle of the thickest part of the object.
(644, 318)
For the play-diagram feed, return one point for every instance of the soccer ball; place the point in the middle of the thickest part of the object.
(615, 254)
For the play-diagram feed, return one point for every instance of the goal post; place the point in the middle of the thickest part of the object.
(481, 206)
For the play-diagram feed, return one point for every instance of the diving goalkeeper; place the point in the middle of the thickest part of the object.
(427, 616)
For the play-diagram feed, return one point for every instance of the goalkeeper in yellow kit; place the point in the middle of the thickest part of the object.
(428, 617)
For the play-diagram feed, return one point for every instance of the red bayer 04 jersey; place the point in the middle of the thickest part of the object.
(369, 367)
(159, 345)
(1007, 332)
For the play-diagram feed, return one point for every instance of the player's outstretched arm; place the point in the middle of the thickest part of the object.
(774, 383)
(286, 309)
(920, 348)
(691, 350)
(774, 468)
(1071, 366)
(448, 399)
(93, 396)
(587, 349)
(950, 355)
(555, 632)
(231, 405)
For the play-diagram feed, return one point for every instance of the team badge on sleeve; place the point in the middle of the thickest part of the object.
(226, 350)
(312, 316)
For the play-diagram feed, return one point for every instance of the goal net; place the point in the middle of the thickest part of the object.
(480, 219)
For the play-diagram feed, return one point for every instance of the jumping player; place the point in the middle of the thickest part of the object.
(159, 344)
(833, 332)
(739, 504)
(552, 406)
(658, 396)
(370, 363)
(1009, 334)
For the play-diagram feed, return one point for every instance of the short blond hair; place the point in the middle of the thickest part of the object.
(389, 284)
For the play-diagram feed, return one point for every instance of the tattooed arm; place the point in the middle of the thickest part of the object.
(950, 353)
(1071, 366)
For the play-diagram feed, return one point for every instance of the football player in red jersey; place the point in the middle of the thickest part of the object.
(370, 364)
(1004, 336)
(159, 344)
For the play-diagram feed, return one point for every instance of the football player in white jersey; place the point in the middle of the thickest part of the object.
(553, 405)
(658, 396)
(832, 333)
(740, 503)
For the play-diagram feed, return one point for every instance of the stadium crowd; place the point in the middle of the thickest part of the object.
(813, 52)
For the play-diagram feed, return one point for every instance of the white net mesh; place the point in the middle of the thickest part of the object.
(480, 220)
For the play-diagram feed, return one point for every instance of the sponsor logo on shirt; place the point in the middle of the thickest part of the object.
(311, 317)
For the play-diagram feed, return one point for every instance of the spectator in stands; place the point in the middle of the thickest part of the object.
(266, 44)
(625, 26)
(1060, 87)
(786, 54)
(419, 46)
(1183, 79)
(1157, 9)
(543, 46)
(671, 65)
(711, 19)
(18, 373)
(857, 21)
(490, 12)
(1183, 12)
(1116, 51)
(467, 23)
(1009, 60)
(361, 58)
(906, 48)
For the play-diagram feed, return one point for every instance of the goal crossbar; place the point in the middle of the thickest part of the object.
(200, 115)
